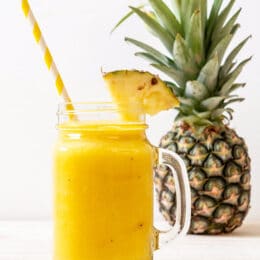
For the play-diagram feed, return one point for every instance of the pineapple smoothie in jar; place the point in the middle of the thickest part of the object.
(103, 186)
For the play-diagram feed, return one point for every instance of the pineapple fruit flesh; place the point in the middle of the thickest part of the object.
(203, 75)
(138, 92)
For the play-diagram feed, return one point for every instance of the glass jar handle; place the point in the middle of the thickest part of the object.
(183, 197)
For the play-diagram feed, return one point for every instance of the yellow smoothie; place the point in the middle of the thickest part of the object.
(103, 192)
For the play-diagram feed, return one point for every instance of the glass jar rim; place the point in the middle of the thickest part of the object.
(88, 106)
(95, 111)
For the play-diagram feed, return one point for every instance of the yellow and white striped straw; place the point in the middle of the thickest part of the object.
(62, 91)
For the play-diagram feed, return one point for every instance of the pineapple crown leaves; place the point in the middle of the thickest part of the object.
(203, 75)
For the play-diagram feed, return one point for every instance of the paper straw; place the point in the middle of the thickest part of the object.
(60, 87)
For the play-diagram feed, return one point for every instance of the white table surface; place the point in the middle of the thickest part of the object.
(32, 240)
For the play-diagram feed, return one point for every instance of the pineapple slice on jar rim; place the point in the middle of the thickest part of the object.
(138, 92)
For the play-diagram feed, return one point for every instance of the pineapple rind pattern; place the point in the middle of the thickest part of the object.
(219, 176)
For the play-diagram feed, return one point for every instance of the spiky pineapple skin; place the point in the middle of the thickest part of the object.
(218, 167)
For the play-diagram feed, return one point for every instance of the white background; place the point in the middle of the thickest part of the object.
(78, 35)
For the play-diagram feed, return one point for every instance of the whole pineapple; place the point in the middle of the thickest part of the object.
(203, 78)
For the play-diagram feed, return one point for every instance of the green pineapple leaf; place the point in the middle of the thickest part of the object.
(229, 61)
(183, 58)
(211, 103)
(195, 120)
(204, 13)
(212, 20)
(175, 89)
(237, 86)
(221, 47)
(202, 115)
(225, 89)
(185, 109)
(147, 56)
(173, 73)
(235, 28)
(124, 18)
(185, 113)
(230, 112)
(227, 29)
(223, 77)
(166, 38)
(188, 8)
(209, 73)
(234, 100)
(176, 4)
(187, 102)
(196, 90)
(166, 17)
(218, 113)
(195, 37)
(223, 17)
(153, 52)
(186, 11)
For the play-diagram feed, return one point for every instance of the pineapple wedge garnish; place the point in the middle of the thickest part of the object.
(137, 92)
